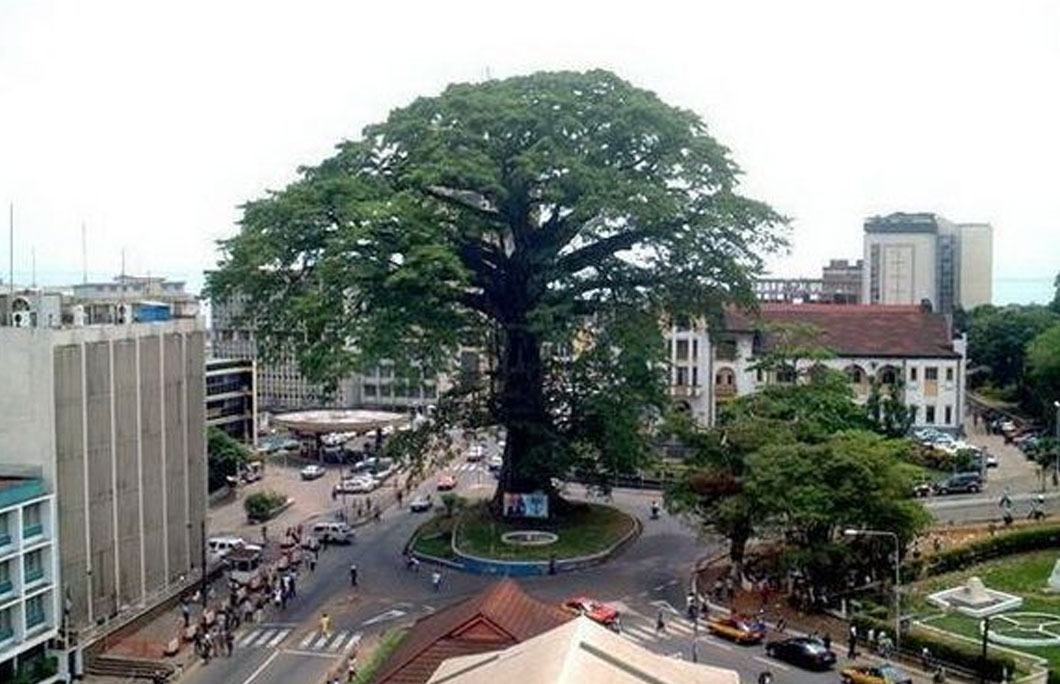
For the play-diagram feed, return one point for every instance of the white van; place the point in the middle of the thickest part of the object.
(333, 532)
(218, 547)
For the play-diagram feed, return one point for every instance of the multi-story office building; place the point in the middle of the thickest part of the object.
(912, 258)
(897, 346)
(30, 612)
(840, 283)
(145, 298)
(114, 416)
(281, 386)
(231, 397)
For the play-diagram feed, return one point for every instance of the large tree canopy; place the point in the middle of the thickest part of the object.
(548, 213)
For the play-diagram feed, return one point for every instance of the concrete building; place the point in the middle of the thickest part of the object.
(895, 345)
(840, 283)
(30, 612)
(911, 258)
(114, 415)
(231, 398)
(144, 297)
(282, 387)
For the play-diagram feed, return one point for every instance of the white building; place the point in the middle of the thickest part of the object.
(893, 344)
(30, 613)
(910, 258)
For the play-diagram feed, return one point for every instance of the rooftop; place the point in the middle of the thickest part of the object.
(15, 490)
(857, 330)
(900, 222)
(500, 616)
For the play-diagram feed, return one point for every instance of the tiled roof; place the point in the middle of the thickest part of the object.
(858, 330)
(498, 617)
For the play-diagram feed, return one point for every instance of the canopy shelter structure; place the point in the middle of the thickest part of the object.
(315, 425)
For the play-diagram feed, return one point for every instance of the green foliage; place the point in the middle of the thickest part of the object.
(262, 505)
(956, 653)
(998, 337)
(36, 670)
(224, 457)
(888, 413)
(507, 214)
(388, 643)
(452, 503)
(1055, 304)
(1005, 544)
(1043, 369)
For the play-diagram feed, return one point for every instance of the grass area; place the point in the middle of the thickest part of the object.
(584, 531)
(1024, 575)
(434, 537)
(387, 644)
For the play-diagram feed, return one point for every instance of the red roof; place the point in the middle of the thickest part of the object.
(858, 330)
(498, 617)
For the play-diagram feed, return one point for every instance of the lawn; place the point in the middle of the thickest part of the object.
(586, 530)
(1024, 575)
(388, 643)
(434, 537)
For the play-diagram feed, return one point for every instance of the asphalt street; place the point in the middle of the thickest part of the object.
(974, 508)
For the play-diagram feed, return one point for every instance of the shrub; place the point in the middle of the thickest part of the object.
(452, 503)
(261, 505)
(993, 547)
(950, 653)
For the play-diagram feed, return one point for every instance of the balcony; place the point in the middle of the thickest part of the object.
(30, 531)
(724, 391)
(684, 391)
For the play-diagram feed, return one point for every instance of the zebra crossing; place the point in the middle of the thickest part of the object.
(271, 636)
(644, 633)
(466, 467)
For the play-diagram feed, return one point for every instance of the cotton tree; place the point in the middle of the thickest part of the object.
(551, 219)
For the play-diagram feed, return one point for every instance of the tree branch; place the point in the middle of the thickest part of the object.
(595, 252)
(463, 199)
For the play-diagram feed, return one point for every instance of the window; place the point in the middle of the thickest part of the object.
(429, 391)
(786, 375)
(31, 524)
(682, 376)
(760, 376)
(888, 376)
(931, 374)
(949, 415)
(856, 375)
(5, 532)
(912, 374)
(34, 611)
(34, 566)
(695, 376)
(384, 390)
(725, 350)
(682, 350)
(695, 349)
(929, 415)
(725, 378)
(370, 390)
(5, 577)
(6, 630)
(949, 375)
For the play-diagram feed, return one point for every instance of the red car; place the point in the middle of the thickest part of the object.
(446, 482)
(593, 609)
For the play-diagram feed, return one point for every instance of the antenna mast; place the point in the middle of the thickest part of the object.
(84, 256)
(11, 247)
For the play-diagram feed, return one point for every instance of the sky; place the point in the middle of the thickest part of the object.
(151, 122)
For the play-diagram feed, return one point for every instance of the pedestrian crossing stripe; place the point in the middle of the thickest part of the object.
(275, 641)
(271, 637)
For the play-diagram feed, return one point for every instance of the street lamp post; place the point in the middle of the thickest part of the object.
(897, 577)
(1056, 445)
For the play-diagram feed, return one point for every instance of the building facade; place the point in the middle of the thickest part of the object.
(231, 398)
(912, 258)
(114, 415)
(30, 611)
(840, 283)
(902, 347)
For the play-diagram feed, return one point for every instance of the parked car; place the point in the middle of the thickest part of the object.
(738, 629)
(333, 532)
(923, 489)
(495, 462)
(420, 504)
(960, 483)
(312, 471)
(805, 652)
(874, 674)
(361, 484)
(991, 461)
(446, 483)
(601, 613)
(475, 453)
(219, 547)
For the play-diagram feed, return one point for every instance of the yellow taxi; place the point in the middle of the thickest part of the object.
(738, 629)
(874, 674)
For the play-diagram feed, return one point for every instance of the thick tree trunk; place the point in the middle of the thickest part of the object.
(522, 410)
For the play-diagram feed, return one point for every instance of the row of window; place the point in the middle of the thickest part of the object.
(889, 374)
(35, 616)
(373, 390)
(31, 524)
(34, 566)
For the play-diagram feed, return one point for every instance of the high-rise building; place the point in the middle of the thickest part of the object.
(912, 258)
(114, 416)
(231, 398)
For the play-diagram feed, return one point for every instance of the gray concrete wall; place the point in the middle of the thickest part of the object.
(127, 467)
(154, 500)
(176, 460)
(195, 361)
(100, 468)
(70, 479)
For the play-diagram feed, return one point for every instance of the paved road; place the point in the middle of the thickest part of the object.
(971, 508)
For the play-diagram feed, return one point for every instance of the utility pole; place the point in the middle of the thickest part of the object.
(202, 545)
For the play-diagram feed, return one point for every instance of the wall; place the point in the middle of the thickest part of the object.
(906, 286)
(977, 264)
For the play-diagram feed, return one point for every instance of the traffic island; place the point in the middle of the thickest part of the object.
(475, 541)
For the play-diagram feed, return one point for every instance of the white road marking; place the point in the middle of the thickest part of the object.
(383, 617)
(261, 668)
(311, 654)
(275, 641)
(771, 663)
(665, 605)
(354, 640)
(337, 641)
(639, 633)
(679, 626)
(308, 639)
(249, 637)
(717, 644)
(266, 633)
(320, 642)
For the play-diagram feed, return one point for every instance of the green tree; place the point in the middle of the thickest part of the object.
(887, 412)
(1055, 305)
(224, 457)
(1043, 371)
(534, 211)
(998, 337)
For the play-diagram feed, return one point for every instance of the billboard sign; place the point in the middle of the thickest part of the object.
(525, 505)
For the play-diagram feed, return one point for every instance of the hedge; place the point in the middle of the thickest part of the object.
(260, 505)
(1020, 541)
(952, 653)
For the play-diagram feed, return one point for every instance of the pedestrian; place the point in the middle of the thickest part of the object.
(782, 624)
(259, 615)
(925, 658)
(690, 605)
(870, 641)
(552, 564)
(230, 642)
(294, 585)
(325, 625)
(852, 643)
(400, 498)
(351, 671)
(827, 640)
(436, 580)
(207, 646)
(353, 575)
(312, 562)
(185, 611)
(660, 622)
(264, 534)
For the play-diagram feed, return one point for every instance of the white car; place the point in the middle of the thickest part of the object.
(420, 504)
(991, 461)
(495, 463)
(356, 485)
(475, 453)
(312, 471)
(218, 547)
